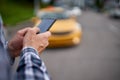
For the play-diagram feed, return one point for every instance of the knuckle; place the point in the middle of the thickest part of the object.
(30, 30)
(28, 27)
(37, 28)
(44, 37)
(19, 32)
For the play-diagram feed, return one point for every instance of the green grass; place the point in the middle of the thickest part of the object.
(13, 13)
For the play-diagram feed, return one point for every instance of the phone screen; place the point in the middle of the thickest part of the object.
(46, 24)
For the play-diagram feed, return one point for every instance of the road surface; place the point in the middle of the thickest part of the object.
(96, 58)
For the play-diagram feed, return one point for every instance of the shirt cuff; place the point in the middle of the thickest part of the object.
(28, 49)
(11, 59)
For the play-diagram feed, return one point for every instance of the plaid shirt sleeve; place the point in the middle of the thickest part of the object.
(31, 67)
(4, 42)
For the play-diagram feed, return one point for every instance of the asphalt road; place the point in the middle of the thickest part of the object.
(96, 58)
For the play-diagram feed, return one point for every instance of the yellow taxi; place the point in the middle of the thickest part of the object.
(66, 31)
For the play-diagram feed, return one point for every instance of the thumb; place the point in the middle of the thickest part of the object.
(46, 34)
(35, 30)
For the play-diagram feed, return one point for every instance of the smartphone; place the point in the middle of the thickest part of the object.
(46, 24)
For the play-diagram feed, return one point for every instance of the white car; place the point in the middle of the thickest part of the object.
(115, 13)
(75, 11)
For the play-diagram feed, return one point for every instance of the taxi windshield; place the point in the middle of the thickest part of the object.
(54, 16)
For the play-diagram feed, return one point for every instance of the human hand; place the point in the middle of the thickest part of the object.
(37, 41)
(16, 43)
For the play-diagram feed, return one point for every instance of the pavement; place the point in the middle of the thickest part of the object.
(96, 58)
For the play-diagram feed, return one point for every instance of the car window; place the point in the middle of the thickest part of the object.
(54, 16)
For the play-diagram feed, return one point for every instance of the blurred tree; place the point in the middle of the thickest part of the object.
(14, 11)
(99, 4)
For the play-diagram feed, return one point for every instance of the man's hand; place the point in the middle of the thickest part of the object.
(16, 43)
(37, 41)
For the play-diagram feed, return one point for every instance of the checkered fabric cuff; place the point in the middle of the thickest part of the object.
(28, 49)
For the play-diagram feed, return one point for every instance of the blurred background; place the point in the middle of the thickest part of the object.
(85, 41)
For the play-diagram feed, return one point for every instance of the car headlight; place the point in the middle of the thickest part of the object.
(76, 40)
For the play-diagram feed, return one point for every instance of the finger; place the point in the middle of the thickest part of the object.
(45, 34)
(23, 31)
(36, 30)
(48, 33)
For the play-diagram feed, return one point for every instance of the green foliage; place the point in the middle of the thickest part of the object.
(13, 12)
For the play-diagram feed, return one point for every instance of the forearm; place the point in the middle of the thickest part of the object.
(31, 67)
